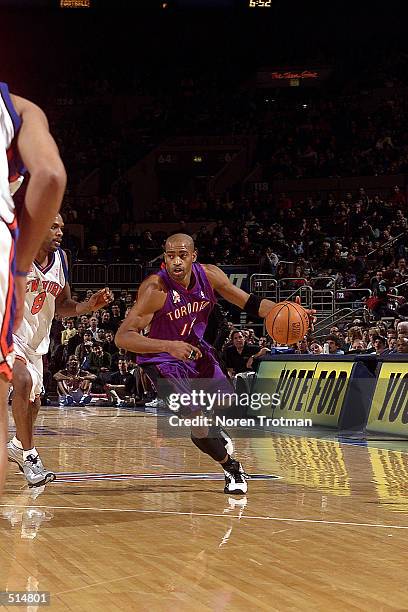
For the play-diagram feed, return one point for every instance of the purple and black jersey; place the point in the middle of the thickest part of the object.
(184, 315)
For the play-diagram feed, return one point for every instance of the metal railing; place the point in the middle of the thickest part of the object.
(264, 285)
(286, 292)
(389, 242)
(125, 274)
(323, 302)
(89, 275)
(351, 298)
(340, 316)
(398, 287)
(101, 275)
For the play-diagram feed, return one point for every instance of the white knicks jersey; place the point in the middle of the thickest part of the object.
(10, 165)
(43, 287)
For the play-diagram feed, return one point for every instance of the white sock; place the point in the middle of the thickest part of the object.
(17, 443)
(32, 451)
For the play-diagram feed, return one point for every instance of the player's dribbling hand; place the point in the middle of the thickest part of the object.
(311, 314)
(183, 350)
(100, 299)
(20, 287)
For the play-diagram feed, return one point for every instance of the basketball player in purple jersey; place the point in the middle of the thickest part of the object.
(25, 143)
(176, 303)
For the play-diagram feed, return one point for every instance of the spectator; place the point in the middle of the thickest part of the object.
(93, 326)
(105, 321)
(75, 340)
(84, 349)
(402, 345)
(100, 336)
(116, 318)
(316, 348)
(109, 345)
(74, 384)
(117, 356)
(239, 356)
(121, 384)
(380, 345)
(98, 361)
(301, 347)
(402, 329)
(357, 346)
(68, 332)
(334, 345)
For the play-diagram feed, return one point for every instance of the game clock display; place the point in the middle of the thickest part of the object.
(259, 3)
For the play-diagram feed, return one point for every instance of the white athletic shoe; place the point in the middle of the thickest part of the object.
(32, 468)
(235, 479)
(155, 405)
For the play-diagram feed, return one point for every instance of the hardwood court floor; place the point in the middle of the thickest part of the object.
(331, 534)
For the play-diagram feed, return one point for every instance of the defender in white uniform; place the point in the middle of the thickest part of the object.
(48, 291)
(32, 339)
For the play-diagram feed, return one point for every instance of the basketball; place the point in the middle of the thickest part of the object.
(287, 322)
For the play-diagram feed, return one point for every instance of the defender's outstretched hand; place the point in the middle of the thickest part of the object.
(100, 299)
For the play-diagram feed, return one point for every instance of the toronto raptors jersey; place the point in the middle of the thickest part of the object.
(43, 287)
(184, 315)
(11, 166)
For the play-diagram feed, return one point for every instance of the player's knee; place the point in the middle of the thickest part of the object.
(22, 382)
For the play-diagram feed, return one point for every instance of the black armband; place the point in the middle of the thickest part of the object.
(253, 304)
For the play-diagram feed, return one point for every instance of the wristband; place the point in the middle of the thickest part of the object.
(252, 305)
(20, 273)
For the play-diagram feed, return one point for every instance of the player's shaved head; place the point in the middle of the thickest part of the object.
(179, 256)
(53, 239)
(178, 241)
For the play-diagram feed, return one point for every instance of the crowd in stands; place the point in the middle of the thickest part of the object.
(360, 240)
(85, 365)
(355, 240)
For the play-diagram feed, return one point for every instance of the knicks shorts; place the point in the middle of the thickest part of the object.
(184, 377)
(33, 363)
(8, 237)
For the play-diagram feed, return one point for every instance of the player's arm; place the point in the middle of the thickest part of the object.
(67, 307)
(150, 299)
(252, 304)
(46, 186)
(44, 194)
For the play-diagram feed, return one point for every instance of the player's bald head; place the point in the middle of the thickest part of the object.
(177, 241)
(53, 239)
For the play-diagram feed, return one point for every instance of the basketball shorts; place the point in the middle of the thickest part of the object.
(8, 237)
(184, 377)
(33, 363)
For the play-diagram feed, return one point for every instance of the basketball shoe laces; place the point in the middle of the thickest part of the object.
(237, 472)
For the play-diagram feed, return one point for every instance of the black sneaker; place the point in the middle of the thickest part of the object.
(235, 479)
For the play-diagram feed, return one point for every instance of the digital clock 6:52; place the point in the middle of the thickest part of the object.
(256, 3)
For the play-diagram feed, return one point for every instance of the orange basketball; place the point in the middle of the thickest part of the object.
(287, 322)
